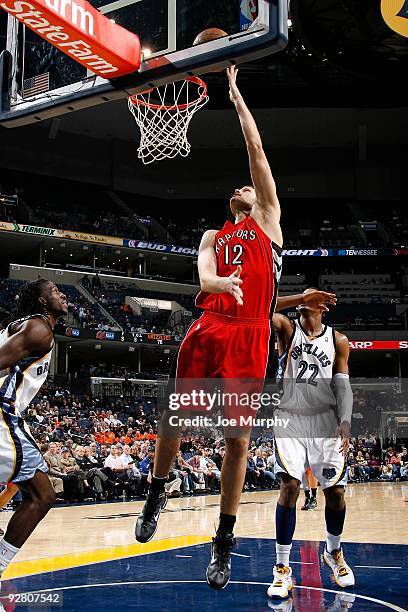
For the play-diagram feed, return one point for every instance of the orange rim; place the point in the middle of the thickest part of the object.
(136, 101)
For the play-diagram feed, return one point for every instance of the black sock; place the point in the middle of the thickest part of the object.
(307, 495)
(227, 522)
(314, 493)
(157, 485)
(335, 520)
(285, 520)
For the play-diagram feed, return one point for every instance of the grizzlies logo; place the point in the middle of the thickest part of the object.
(395, 15)
(329, 473)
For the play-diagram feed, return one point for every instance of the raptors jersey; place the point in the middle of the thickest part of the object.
(306, 370)
(246, 244)
(21, 383)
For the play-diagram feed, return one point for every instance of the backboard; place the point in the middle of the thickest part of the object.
(47, 83)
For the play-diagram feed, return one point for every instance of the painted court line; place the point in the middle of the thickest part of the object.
(100, 555)
(239, 555)
(379, 566)
(302, 562)
(152, 582)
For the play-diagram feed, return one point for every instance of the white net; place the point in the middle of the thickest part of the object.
(163, 115)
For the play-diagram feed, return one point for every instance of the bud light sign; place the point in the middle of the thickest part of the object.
(249, 12)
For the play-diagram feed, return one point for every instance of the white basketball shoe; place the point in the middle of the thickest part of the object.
(343, 574)
(282, 582)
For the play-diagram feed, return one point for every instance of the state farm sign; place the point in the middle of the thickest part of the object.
(76, 28)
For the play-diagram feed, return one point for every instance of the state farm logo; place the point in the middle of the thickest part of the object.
(75, 13)
(59, 35)
(78, 29)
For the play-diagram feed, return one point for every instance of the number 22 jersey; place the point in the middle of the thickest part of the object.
(306, 370)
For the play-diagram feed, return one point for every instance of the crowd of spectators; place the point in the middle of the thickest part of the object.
(384, 229)
(81, 312)
(68, 206)
(104, 449)
(85, 314)
(370, 321)
(9, 203)
(189, 232)
(85, 219)
(334, 233)
(114, 301)
(365, 463)
(8, 295)
(8, 213)
(112, 370)
(399, 223)
(91, 209)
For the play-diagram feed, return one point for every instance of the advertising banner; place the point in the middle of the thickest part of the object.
(80, 31)
(163, 339)
(49, 232)
(171, 249)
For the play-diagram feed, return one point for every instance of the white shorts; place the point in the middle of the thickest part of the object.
(299, 446)
(20, 457)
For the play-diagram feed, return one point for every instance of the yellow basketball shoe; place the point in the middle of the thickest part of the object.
(282, 582)
(343, 574)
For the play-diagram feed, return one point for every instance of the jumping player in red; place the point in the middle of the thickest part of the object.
(239, 268)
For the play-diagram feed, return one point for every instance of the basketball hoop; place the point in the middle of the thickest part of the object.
(163, 115)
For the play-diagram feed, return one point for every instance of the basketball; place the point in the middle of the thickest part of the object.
(209, 35)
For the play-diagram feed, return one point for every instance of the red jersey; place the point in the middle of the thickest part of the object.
(246, 244)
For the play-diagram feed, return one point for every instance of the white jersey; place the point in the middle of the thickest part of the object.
(306, 370)
(20, 383)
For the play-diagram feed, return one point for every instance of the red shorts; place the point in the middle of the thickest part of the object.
(223, 347)
(220, 346)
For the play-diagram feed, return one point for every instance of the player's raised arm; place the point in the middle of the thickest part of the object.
(283, 328)
(262, 178)
(314, 299)
(33, 339)
(207, 269)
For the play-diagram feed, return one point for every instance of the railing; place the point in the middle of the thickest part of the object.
(80, 287)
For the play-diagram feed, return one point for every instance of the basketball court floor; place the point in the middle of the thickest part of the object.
(85, 557)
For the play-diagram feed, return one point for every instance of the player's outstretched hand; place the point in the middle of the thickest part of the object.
(343, 430)
(319, 299)
(231, 284)
(234, 92)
